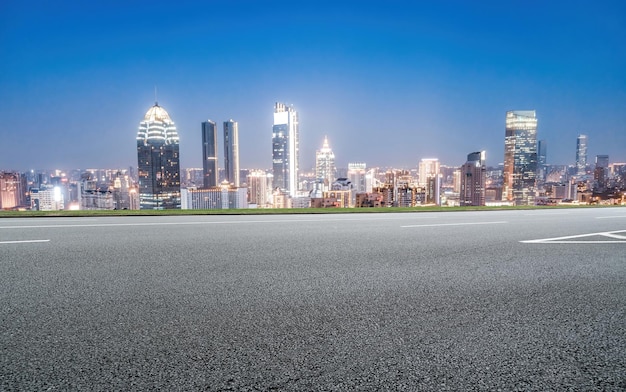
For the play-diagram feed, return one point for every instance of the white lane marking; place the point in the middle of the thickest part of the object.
(189, 223)
(571, 239)
(547, 214)
(48, 219)
(456, 224)
(23, 241)
(611, 217)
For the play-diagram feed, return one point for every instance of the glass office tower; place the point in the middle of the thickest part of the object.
(158, 161)
(209, 154)
(581, 155)
(285, 149)
(231, 152)
(520, 157)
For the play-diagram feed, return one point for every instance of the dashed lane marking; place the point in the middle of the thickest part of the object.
(22, 242)
(613, 237)
(456, 224)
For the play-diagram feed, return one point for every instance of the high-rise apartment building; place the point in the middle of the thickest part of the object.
(259, 188)
(209, 154)
(581, 155)
(520, 157)
(285, 149)
(158, 161)
(473, 178)
(325, 165)
(231, 152)
(357, 176)
(428, 168)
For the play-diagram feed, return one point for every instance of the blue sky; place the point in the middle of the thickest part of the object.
(388, 82)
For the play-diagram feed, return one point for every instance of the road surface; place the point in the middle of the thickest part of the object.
(491, 300)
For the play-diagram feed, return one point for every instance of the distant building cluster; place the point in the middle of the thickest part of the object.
(158, 182)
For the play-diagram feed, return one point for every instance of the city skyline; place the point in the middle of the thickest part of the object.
(389, 84)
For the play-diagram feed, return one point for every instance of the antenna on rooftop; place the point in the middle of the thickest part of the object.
(156, 101)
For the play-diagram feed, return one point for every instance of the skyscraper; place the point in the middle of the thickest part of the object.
(209, 154)
(428, 168)
(259, 188)
(520, 157)
(158, 161)
(231, 152)
(581, 155)
(542, 162)
(325, 165)
(13, 190)
(600, 173)
(473, 178)
(285, 148)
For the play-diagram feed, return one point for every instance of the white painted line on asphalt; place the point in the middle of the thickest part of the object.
(29, 219)
(546, 214)
(611, 217)
(456, 224)
(184, 223)
(572, 239)
(22, 242)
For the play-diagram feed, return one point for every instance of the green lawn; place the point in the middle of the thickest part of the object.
(268, 211)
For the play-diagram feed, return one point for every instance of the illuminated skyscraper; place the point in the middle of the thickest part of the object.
(209, 154)
(581, 155)
(325, 165)
(520, 157)
(285, 148)
(13, 189)
(259, 188)
(473, 177)
(158, 161)
(231, 152)
(428, 168)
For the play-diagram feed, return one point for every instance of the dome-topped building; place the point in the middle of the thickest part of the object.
(158, 161)
(157, 124)
(157, 113)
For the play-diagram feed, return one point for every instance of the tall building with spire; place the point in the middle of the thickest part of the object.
(581, 155)
(285, 148)
(325, 165)
(231, 152)
(158, 161)
(520, 157)
(209, 154)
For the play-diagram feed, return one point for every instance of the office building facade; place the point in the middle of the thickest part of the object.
(223, 197)
(285, 149)
(581, 155)
(209, 154)
(473, 178)
(158, 161)
(13, 190)
(231, 152)
(601, 172)
(520, 157)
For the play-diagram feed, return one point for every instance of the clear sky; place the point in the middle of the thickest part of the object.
(389, 82)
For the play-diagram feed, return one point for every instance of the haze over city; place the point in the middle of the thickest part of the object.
(388, 83)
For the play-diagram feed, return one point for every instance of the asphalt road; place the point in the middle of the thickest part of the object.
(497, 300)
